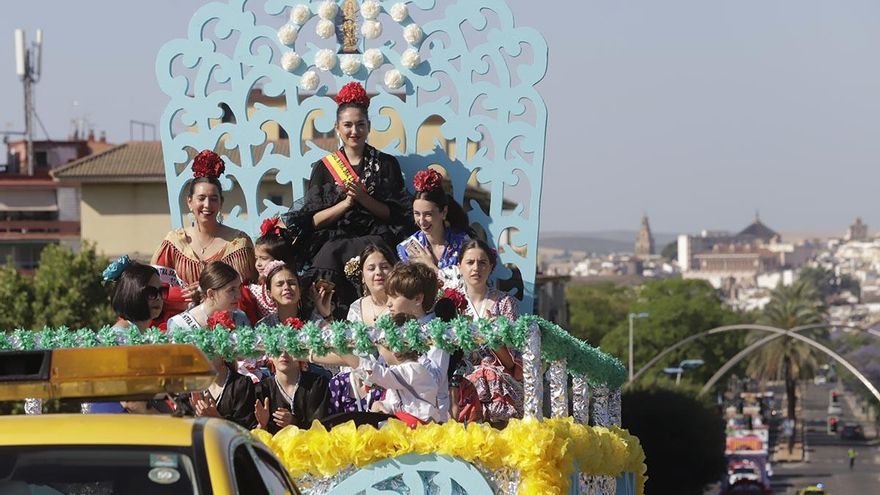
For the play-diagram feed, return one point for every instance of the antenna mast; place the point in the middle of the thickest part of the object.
(28, 66)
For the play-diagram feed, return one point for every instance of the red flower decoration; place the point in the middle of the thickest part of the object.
(353, 92)
(296, 323)
(457, 298)
(208, 164)
(428, 180)
(270, 225)
(222, 318)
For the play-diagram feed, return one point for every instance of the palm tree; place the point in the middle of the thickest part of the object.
(785, 358)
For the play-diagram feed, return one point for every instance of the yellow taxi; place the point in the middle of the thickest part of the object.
(125, 453)
(817, 489)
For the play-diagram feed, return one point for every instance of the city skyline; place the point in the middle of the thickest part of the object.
(697, 115)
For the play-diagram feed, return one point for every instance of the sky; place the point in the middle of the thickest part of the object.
(698, 113)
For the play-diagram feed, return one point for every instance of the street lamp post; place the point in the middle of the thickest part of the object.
(633, 316)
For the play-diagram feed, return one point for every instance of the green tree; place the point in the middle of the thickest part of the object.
(670, 251)
(827, 284)
(68, 290)
(16, 292)
(683, 438)
(595, 309)
(785, 358)
(677, 309)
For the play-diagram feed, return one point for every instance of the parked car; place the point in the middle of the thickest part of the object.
(852, 431)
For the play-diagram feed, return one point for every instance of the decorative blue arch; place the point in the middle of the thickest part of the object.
(419, 474)
(476, 70)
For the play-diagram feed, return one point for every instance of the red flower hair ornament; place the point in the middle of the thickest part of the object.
(294, 323)
(208, 164)
(270, 225)
(223, 319)
(353, 92)
(457, 298)
(427, 180)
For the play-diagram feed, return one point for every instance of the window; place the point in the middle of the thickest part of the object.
(41, 159)
(274, 474)
(247, 477)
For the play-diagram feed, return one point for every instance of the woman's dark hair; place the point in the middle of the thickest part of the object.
(128, 299)
(352, 104)
(205, 180)
(277, 270)
(279, 246)
(478, 244)
(455, 214)
(215, 276)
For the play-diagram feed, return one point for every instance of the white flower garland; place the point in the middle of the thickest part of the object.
(410, 58)
(325, 29)
(394, 79)
(290, 61)
(399, 12)
(350, 64)
(300, 14)
(288, 33)
(371, 29)
(373, 59)
(325, 59)
(370, 10)
(328, 10)
(413, 34)
(309, 81)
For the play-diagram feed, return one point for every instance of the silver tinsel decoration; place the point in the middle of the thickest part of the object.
(614, 407)
(33, 406)
(321, 485)
(557, 375)
(532, 381)
(600, 411)
(505, 480)
(580, 399)
(85, 407)
(599, 485)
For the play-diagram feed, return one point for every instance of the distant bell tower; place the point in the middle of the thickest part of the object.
(645, 241)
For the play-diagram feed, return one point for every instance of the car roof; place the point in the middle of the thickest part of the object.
(107, 429)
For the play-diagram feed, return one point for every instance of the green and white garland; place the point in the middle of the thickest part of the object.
(344, 338)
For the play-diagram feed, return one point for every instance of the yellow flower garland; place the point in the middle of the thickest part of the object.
(543, 452)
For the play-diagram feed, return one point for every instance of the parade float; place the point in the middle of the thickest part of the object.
(453, 86)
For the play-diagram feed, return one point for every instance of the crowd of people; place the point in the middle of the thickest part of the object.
(358, 247)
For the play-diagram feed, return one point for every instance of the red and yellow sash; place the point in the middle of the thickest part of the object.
(339, 167)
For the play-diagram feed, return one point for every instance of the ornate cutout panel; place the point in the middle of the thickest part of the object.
(453, 84)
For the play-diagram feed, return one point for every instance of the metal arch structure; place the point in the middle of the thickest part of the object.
(733, 328)
(790, 333)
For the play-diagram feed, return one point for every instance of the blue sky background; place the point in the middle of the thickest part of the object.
(696, 112)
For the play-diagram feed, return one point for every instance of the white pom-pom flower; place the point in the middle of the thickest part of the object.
(373, 58)
(394, 79)
(413, 34)
(350, 64)
(328, 10)
(370, 10)
(309, 81)
(325, 29)
(288, 33)
(410, 58)
(325, 59)
(300, 14)
(371, 29)
(399, 12)
(290, 61)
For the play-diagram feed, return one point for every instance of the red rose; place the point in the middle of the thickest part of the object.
(208, 164)
(353, 92)
(222, 318)
(296, 323)
(270, 225)
(457, 298)
(428, 180)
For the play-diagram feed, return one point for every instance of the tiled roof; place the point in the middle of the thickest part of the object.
(129, 161)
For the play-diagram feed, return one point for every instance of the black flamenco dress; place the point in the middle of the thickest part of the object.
(323, 252)
(311, 401)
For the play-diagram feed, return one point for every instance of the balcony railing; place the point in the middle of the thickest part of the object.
(38, 229)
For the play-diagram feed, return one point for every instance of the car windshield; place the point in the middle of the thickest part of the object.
(743, 470)
(97, 470)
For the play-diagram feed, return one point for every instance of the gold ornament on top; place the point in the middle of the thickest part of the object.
(349, 28)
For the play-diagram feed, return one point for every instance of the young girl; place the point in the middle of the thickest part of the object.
(273, 244)
(282, 284)
(443, 224)
(219, 290)
(374, 265)
(137, 293)
(411, 392)
(292, 397)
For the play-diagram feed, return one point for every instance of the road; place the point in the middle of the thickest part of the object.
(827, 455)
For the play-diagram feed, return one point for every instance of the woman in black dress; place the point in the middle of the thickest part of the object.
(356, 197)
(230, 396)
(291, 397)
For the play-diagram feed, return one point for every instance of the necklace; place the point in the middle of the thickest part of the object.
(377, 312)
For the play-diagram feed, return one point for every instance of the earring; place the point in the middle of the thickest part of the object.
(219, 218)
(192, 221)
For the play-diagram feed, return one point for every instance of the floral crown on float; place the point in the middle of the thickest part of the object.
(427, 180)
(270, 225)
(353, 92)
(271, 267)
(208, 164)
(114, 270)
